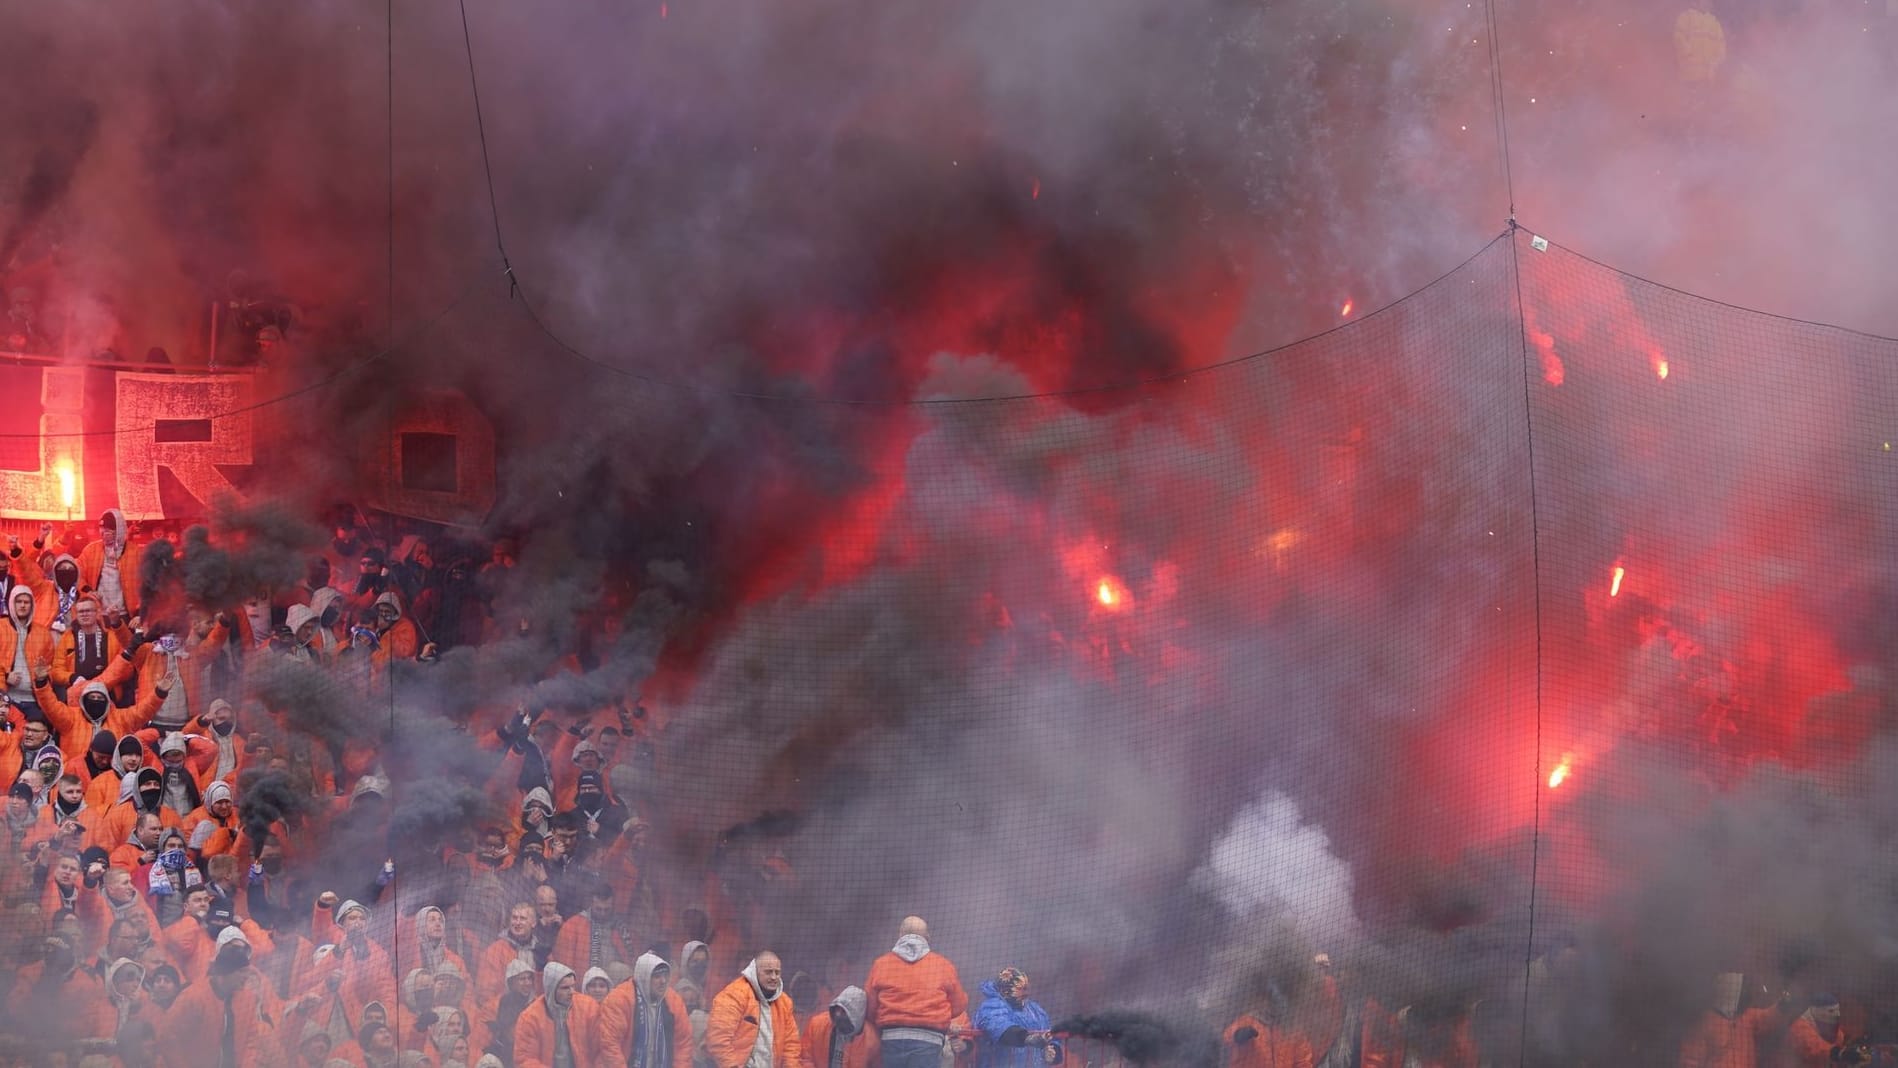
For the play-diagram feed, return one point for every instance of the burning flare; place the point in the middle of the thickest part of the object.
(68, 491)
(1560, 774)
(1614, 584)
(1345, 312)
(1110, 592)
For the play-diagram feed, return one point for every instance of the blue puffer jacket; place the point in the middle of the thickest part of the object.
(995, 1016)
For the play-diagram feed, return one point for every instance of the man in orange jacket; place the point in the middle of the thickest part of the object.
(753, 1023)
(1816, 1040)
(913, 994)
(643, 1023)
(837, 1038)
(559, 1028)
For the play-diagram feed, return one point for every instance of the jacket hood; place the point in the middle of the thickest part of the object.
(90, 688)
(217, 791)
(322, 600)
(685, 955)
(120, 965)
(855, 1004)
(20, 590)
(911, 947)
(369, 784)
(65, 560)
(297, 616)
(751, 976)
(118, 522)
(538, 794)
(643, 969)
(551, 976)
(595, 973)
(393, 600)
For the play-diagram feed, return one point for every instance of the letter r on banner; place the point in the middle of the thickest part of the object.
(177, 422)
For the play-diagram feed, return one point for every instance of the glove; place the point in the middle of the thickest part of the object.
(388, 873)
(1245, 1035)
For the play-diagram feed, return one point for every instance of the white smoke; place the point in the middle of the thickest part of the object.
(1272, 867)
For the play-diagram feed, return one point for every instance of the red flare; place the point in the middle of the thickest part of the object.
(1559, 775)
(1345, 312)
(1034, 189)
(1614, 583)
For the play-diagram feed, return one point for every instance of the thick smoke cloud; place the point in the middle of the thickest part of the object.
(887, 618)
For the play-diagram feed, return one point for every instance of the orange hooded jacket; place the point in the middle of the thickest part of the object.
(912, 987)
(535, 1033)
(732, 1029)
(616, 1016)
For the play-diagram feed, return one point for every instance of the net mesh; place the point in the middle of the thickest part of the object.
(1471, 684)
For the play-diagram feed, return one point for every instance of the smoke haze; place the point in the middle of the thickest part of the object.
(1155, 691)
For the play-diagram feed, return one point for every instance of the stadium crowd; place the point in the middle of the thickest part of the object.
(168, 905)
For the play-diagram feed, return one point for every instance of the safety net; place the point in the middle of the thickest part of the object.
(1502, 677)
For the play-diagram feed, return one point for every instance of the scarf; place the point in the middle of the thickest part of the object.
(652, 1034)
(227, 1039)
(563, 1043)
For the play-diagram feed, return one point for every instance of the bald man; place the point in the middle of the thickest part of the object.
(913, 994)
(753, 1023)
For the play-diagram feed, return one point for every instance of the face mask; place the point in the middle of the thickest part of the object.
(225, 728)
(169, 643)
(272, 865)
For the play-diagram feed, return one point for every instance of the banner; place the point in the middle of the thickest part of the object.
(164, 446)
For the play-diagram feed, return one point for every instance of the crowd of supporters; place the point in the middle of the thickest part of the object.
(173, 898)
(169, 906)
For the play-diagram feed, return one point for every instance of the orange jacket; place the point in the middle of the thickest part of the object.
(76, 731)
(616, 1027)
(862, 1051)
(28, 572)
(732, 1029)
(490, 976)
(1718, 1041)
(39, 651)
(1803, 1048)
(1271, 1047)
(66, 654)
(926, 994)
(192, 1027)
(534, 1034)
(573, 944)
(91, 562)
